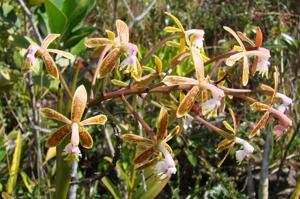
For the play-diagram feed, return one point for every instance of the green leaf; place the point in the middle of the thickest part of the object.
(154, 187)
(57, 19)
(289, 40)
(14, 169)
(75, 12)
(79, 47)
(111, 187)
(77, 36)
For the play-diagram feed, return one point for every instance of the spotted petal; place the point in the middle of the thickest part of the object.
(50, 65)
(187, 102)
(85, 138)
(98, 119)
(109, 62)
(58, 136)
(52, 114)
(162, 124)
(97, 42)
(173, 80)
(260, 124)
(78, 104)
(132, 138)
(198, 62)
(144, 155)
(123, 31)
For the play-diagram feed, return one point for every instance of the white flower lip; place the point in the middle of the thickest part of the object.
(165, 168)
(246, 151)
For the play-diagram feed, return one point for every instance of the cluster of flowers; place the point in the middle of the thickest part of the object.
(154, 151)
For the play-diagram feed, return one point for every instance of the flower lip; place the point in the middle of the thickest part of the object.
(165, 168)
(246, 151)
(31, 53)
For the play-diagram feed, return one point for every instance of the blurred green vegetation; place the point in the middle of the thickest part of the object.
(198, 175)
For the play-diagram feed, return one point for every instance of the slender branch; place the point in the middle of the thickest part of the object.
(128, 9)
(148, 129)
(35, 118)
(139, 18)
(73, 187)
(29, 15)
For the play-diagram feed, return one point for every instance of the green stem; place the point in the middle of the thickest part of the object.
(63, 167)
(73, 87)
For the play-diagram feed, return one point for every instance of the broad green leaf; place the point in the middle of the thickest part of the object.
(14, 168)
(57, 19)
(154, 187)
(111, 187)
(77, 36)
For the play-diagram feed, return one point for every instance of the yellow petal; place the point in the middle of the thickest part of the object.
(259, 106)
(178, 23)
(158, 64)
(234, 120)
(260, 124)
(85, 138)
(50, 65)
(173, 80)
(221, 161)
(78, 104)
(266, 87)
(48, 40)
(137, 71)
(111, 35)
(162, 125)
(235, 36)
(123, 31)
(224, 144)
(188, 101)
(52, 114)
(228, 126)
(132, 138)
(171, 29)
(117, 82)
(173, 133)
(98, 119)
(109, 62)
(58, 136)
(144, 155)
(145, 80)
(96, 42)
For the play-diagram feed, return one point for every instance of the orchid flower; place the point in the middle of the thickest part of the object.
(283, 121)
(262, 54)
(229, 143)
(166, 167)
(79, 133)
(44, 51)
(201, 83)
(191, 37)
(122, 44)
(151, 149)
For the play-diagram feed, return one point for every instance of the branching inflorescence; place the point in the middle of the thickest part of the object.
(204, 96)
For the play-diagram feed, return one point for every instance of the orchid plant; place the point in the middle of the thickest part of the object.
(202, 95)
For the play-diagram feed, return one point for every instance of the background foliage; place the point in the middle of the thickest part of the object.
(198, 175)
